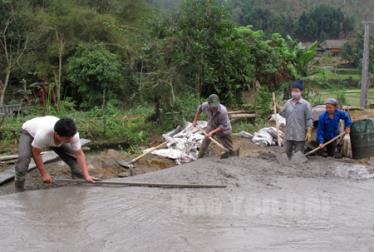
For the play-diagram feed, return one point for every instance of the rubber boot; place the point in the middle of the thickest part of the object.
(19, 185)
(230, 153)
(226, 154)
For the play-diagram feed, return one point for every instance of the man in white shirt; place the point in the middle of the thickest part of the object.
(60, 135)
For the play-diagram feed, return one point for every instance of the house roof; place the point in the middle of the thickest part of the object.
(332, 43)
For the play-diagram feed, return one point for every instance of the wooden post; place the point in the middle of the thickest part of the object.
(365, 59)
(277, 122)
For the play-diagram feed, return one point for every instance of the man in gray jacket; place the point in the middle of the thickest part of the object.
(218, 124)
(298, 115)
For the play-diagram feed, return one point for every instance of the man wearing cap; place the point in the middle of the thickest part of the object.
(329, 126)
(61, 136)
(218, 124)
(297, 113)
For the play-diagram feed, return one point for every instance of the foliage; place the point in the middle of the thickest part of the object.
(323, 22)
(250, 127)
(55, 28)
(318, 23)
(246, 13)
(14, 42)
(93, 68)
(98, 124)
(353, 51)
(263, 101)
(202, 51)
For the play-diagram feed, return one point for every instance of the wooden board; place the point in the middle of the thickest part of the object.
(141, 184)
(8, 174)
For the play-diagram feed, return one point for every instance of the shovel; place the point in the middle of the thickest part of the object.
(325, 144)
(213, 139)
(130, 164)
(277, 122)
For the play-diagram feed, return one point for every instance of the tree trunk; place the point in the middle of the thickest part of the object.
(60, 40)
(103, 98)
(140, 83)
(6, 82)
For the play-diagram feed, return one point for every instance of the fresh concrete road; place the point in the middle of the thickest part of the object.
(266, 207)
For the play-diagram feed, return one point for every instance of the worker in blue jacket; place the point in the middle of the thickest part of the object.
(329, 126)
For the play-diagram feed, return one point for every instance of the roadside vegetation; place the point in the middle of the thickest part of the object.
(127, 71)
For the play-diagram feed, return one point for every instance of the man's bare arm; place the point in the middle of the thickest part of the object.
(196, 117)
(81, 160)
(214, 131)
(40, 165)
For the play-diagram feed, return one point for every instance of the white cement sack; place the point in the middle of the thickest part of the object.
(267, 136)
(182, 143)
(263, 138)
(244, 134)
(278, 119)
(169, 153)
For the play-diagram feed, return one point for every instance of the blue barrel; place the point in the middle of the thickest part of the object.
(362, 139)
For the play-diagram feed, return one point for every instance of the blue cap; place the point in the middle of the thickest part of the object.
(298, 84)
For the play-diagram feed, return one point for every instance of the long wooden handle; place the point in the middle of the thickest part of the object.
(145, 153)
(325, 144)
(277, 122)
(212, 139)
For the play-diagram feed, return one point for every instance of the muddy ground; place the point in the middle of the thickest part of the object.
(323, 205)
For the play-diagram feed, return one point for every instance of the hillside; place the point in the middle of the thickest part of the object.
(360, 9)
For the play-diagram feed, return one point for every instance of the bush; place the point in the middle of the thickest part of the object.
(96, 73)
(263, 101)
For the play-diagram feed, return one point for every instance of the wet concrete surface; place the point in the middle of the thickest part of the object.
(266, 207)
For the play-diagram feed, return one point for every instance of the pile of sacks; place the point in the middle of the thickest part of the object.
(182, 143)
(268, 136)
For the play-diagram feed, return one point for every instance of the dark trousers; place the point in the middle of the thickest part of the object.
(225, 139)
(291, 146)
(25, 153)
(333, 149)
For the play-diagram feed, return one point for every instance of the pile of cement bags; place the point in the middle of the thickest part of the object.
(267, 136)
(182, 143)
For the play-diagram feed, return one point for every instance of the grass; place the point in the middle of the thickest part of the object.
(352, 96)
(327, 75)
(108, 125)
(250, 127)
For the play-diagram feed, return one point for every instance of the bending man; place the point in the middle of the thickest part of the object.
(329, 127)
(50, 132)
(218, 124)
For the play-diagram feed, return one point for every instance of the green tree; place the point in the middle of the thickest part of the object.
(353, 51)
(14, 41)
(96, 73)
(201, 47)
(323, 22)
